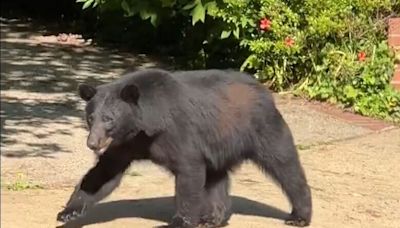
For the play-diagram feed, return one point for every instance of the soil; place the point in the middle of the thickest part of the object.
(353, 171)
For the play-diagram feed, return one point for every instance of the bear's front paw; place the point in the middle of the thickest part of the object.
(71, 213)
(296, 222)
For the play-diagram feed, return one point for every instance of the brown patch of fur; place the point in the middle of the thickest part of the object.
(235, 108)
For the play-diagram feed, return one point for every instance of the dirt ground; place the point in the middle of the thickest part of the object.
(353, 171)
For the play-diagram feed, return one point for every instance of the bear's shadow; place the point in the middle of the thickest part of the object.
(162, 209)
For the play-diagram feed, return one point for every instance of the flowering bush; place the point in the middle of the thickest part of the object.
(265, 24)
(331, 50)
(361, 56)
(328, 50)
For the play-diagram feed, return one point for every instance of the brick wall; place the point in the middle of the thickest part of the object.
(394, 42)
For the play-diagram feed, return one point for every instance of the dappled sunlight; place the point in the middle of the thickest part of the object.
(32, 127)
(40, 109)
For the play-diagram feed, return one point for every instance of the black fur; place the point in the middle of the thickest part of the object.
(199, 125)
(109, 165)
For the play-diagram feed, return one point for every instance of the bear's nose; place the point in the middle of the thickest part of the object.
(92, 144)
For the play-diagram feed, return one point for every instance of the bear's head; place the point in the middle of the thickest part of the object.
(112, 114)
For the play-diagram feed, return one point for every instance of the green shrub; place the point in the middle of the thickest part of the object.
(155, 10)
(360, 81)
(331, 50)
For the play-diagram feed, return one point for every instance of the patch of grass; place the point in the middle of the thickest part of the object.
(303, 147)
(20, 184)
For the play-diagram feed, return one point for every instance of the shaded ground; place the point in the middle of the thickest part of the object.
(353, 172)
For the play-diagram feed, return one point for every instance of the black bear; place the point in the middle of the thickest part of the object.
(199, 125)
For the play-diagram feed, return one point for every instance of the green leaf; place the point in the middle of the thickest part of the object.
(81, 0)
(154, 20)
(198, 14)
(168, 3)
(211, 8)
(249, 63)
(125, 6)
(87, 4)
(191, 5)
(225, 34)
(145, 14)
(243, 21)
(236, 32)
(350, 91)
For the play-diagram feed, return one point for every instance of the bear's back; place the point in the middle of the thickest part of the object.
(201, 86)
(216, 83)
(151, 79)
(206, 79)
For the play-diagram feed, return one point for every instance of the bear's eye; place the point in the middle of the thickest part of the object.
(90, 119)
(107, 119)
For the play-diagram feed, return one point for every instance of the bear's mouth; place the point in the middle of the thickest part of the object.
(104, 146)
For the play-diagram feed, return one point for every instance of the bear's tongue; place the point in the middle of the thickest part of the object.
(104, 146)
(100, 151)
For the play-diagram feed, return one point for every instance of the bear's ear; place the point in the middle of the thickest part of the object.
(130, 93)
(86, 92)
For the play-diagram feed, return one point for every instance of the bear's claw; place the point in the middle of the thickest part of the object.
(70, 214)
(296, 222)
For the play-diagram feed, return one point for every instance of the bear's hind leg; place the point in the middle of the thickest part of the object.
(283, 164)
(217, 207)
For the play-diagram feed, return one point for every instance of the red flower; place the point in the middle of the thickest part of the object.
(361, 56)
(289, 41)
(265, 24)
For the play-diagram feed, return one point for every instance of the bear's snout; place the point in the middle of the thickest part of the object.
(98, 144)
(93, 143)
